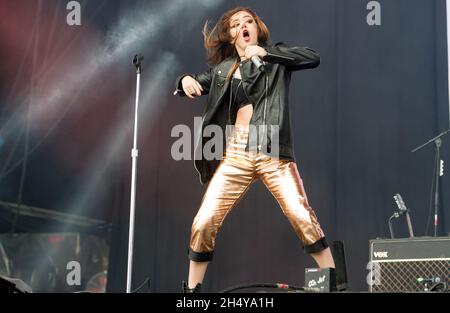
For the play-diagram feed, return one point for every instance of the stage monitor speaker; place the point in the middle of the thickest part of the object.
(408, 265)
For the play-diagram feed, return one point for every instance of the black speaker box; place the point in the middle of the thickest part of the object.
(408, 265)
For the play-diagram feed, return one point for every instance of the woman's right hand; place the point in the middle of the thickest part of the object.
(191, 87)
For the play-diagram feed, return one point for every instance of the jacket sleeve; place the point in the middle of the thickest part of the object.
(204, 80)
(295, 58)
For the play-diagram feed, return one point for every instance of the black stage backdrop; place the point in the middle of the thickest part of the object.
(379, 92)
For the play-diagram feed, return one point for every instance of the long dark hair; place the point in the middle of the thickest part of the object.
(217, 39)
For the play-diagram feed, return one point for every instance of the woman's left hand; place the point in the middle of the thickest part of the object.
(254, 50)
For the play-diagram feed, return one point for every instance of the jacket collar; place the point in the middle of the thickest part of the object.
(225, 66)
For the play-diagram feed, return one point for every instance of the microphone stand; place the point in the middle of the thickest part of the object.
(134, 154)
(408, 221)
(438, 142)
(391, 228)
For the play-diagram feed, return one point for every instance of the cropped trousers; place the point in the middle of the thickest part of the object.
(236, 172)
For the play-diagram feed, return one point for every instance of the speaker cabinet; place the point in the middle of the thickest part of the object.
(408, 265)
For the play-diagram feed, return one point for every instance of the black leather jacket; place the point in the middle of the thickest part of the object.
(267, 90)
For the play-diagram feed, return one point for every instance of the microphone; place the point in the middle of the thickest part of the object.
(400, 203)
(137, 60)
(403, 210)
(258, 63)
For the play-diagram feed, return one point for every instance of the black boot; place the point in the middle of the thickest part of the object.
(186, 289)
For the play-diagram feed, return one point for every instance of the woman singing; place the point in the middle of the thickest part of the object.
(247, 95)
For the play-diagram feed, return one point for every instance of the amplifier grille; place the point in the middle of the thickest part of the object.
(402, 275)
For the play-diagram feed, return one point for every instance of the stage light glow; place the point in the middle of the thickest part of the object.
(63, 85)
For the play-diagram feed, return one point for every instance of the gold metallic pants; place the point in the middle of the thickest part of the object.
(234, 175)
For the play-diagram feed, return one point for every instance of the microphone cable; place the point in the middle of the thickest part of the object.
(271, 285)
